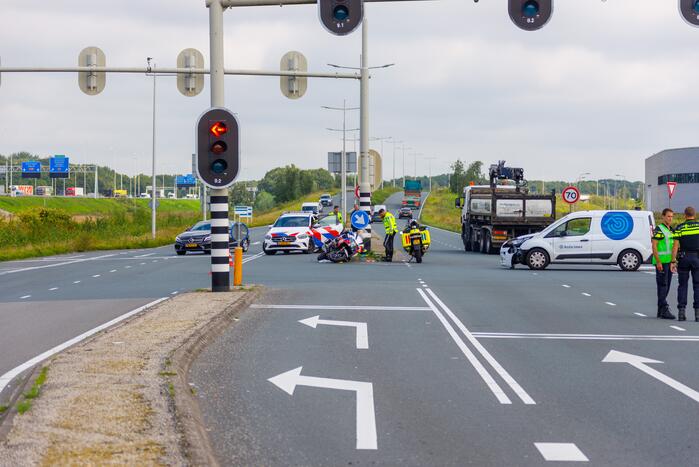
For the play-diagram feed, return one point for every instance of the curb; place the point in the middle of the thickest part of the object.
(196, 443)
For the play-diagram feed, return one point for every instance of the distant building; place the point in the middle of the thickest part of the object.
(673, 165)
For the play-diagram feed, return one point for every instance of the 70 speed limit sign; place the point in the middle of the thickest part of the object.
(570, 195)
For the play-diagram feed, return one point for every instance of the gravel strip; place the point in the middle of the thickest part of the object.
(114, 400)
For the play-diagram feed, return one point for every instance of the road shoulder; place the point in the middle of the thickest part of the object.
(123, 396)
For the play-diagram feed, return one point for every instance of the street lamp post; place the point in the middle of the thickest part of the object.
(394, 159)
(616, 191)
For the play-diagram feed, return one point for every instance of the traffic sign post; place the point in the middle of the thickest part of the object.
(671, 186)
(570, 195)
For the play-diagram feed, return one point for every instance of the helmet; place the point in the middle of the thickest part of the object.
(414, 224)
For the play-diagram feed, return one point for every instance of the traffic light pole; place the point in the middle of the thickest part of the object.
(220, 268)
(364, 186)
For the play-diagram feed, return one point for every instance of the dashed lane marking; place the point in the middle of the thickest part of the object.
(561, 452)
(113, 270)
(32, 268)
(639, 314)
(97, 275)
(678, 328)
(610, 303)
(174, 293)
(142, 264)
(127, 267)
(586, 294)
(53, 288)
(25, 296)
(565, 285)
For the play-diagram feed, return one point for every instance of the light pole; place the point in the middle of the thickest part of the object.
(382, 139)
(580, 178)
(343, 159)
(404, 148)
(394, 159)
(616, 192)
(429, 169)
(415, 154)
(154, 182)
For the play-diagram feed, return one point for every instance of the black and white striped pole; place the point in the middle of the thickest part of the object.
(364, 181)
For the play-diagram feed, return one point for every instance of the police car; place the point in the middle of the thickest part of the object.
(298, 231)
(585, 237)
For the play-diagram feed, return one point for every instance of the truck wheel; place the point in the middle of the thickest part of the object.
(466, 238)
(475, 246)
(537, 259)
(629, 260)
(481, 244)
(487, 244)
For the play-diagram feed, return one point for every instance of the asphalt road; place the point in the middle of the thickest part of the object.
(455, 361)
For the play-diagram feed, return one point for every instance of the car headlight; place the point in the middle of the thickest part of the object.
(302, 237)
(268, 237)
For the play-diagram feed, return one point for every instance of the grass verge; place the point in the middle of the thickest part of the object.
(439, 211)
(26, 403)
(379, 196)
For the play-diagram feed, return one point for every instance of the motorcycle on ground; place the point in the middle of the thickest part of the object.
(342, 248)
(415, 240)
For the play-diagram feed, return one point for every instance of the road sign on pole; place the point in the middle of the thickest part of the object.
(671, 186)
(570, 195)
(190, 84)
(92, 82)
(293, 87)
(360, 219)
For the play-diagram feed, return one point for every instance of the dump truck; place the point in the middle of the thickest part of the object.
(492, 214)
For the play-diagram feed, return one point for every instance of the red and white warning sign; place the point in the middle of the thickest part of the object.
(671, 188)
(570, 195)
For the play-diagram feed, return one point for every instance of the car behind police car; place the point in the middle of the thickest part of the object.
(585, 237)
(198, 238)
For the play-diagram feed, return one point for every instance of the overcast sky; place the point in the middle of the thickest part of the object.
(600, 88)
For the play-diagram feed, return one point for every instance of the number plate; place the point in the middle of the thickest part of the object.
(191, 245)
(284, 243)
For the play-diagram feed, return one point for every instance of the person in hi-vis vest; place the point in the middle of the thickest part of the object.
(663, 242)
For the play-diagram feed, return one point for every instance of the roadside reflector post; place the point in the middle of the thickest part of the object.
(238, 267)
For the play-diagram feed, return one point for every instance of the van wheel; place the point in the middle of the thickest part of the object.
(537, 259)
(629, 260)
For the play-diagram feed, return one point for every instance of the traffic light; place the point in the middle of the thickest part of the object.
(530, 15)
(341, 17)
(689, 9)
(218, 148)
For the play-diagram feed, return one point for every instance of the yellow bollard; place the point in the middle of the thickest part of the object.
(238, 267)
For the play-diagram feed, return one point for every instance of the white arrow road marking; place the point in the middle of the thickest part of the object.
(366, 420)
(639, 362)
(362, 334)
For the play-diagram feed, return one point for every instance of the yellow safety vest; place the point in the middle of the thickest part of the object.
(665, 244)
(389, 223)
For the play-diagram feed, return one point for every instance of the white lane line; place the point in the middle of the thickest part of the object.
(480, 369)
(142, 264)
(97, 275)
(566, 286)
(127, 267)
(24, 296)
(10, 375)
(76, 282)
(562, 452)
(610, 303)
(586, 294)
(514, 385)
(174, 293)
(143, 256)
(678, 328)
(53, 288)
(33, 268)
(113, 270)
(639, 314)
(155, 261)
(591, 337)
(340, 307)
(253, 257)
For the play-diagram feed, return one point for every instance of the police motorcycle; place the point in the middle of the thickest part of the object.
(416, 240)
(342, 248)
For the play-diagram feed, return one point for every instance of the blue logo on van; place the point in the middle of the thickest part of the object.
(617, 225)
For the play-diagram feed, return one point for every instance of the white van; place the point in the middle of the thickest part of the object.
(586, 237)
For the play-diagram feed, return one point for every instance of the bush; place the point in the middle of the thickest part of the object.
(264, 201)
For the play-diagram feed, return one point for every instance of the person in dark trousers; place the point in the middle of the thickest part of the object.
(354, 209)
(686, 251)
(389, 223)
(662, 242)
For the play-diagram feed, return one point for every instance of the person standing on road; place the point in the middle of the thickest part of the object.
(663, 242)
(338, 215)
(354, 209)
(686, 250)
(389, 223)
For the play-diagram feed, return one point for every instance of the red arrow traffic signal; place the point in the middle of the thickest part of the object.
(218, 129)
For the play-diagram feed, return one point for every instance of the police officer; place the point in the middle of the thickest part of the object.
(686, 250)
(389, 223)
(662, 243)
(338, 215)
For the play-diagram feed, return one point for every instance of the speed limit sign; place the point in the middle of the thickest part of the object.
(570, 195)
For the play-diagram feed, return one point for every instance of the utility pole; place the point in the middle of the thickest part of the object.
(96, 182)
(394, 159)
(364, 186)
(429, 168)
(154, 180)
